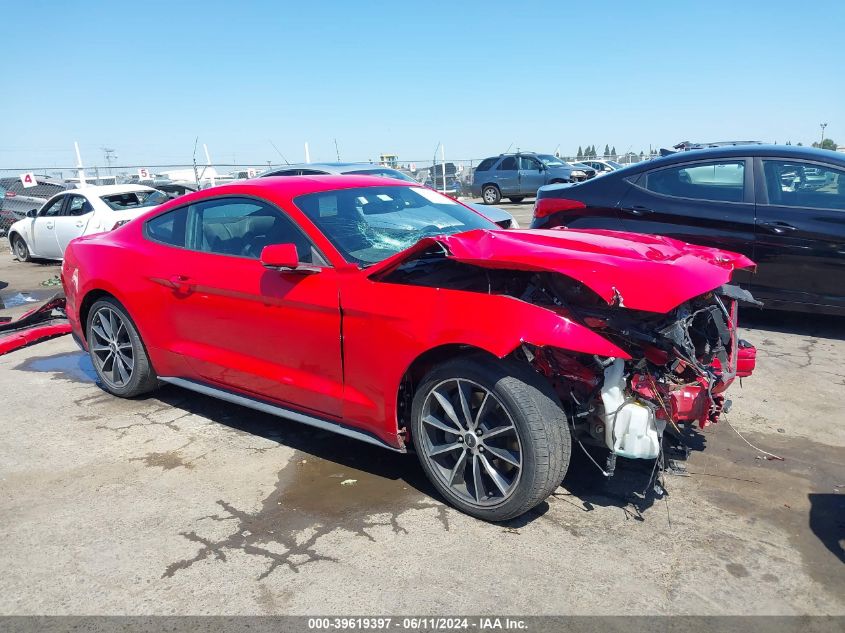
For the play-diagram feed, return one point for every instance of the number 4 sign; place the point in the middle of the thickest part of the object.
(28, 180)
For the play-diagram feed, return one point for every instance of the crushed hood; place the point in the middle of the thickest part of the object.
(642, 272)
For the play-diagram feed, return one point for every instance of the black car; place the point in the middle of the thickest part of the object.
(782, 206)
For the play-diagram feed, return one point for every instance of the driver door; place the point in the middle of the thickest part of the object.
(73, 220)
(531, 176)
(237, 324)
(44, 241)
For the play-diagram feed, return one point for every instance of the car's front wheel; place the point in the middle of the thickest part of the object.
(490, 435)
(20, 249)
(117, 352)
(490, 194)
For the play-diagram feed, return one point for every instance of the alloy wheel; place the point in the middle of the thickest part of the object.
(112, 348)
(471, 442)
(20, 248)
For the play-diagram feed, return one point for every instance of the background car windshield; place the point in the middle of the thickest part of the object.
(551, 161)
(387, 173)
(134, 199)
(369, 224)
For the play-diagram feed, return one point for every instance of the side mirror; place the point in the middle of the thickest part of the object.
(284, 258)
(32, 213)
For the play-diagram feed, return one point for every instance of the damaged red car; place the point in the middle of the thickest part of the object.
(391, 314)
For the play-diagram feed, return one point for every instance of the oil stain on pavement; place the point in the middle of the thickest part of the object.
(312, 497)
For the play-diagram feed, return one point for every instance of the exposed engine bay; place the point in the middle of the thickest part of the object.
(681, 362)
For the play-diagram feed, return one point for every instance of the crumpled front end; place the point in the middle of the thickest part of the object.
(681, 364)
(665, 306)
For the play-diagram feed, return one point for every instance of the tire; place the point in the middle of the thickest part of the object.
(516, 199)
(112, 337)
(530, 457)
(490, 194)
(20, 249)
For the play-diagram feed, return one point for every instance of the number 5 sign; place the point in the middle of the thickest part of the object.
(28, 180)
(143, 173)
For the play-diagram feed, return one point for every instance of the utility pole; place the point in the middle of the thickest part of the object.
(336, 150)
(110, 156)
(822, 126)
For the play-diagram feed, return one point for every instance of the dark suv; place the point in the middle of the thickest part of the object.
(515, 176)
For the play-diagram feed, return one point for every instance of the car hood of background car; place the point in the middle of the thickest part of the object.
(641, 272)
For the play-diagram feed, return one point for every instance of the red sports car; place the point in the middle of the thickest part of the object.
(392, 314)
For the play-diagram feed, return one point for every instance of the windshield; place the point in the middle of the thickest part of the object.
(134, 199)
(551, 161)
(614, 164)
(369, 224)
(383, 171)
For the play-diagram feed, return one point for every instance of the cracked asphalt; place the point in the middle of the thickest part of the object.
(179, 504)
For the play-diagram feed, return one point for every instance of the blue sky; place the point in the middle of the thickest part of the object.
(148, 77)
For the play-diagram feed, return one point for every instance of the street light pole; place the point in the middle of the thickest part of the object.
(822, 126)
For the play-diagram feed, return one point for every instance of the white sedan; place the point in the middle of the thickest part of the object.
(47, 232)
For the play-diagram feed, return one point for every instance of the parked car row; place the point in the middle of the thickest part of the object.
(517, 176)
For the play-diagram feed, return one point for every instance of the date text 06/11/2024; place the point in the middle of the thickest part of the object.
(423, 623)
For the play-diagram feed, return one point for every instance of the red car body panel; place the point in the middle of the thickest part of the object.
(607, 262)
(338, 343)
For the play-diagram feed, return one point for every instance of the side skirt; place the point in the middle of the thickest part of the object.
(281, 412)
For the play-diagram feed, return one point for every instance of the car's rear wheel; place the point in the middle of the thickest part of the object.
(490, 194)
(117, 352)
(516, 199)
(490, 435)
(20, 249)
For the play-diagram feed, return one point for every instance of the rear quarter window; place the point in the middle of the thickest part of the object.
(168, 228)
(486, 164)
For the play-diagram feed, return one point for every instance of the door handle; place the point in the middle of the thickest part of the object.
(80, 224)
(49, 225)
(637, 209)
(180, 283)
(778, 227)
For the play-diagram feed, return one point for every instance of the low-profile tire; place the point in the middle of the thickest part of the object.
(490, 194)
(516, 199)
(20, 249)
(491, 436)
(117, 351)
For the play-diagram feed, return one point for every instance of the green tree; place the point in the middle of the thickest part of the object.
(828, 143)
(606, 150)
(613, 152)
(580, 153)
(800, 144)
(789, 142)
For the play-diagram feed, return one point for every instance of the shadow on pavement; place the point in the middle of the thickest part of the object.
(827, 521)
(819, 325)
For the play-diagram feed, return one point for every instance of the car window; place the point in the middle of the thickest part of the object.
(721, 181)
(526, 162)
(168, 228)
(311, 172)
(508, 163)
(369, 224)
(134, 199)
(384, 173)
(78, 205)
(285, 172)
(486, 164)
(52, 209)
(243, 227)
(798, 184)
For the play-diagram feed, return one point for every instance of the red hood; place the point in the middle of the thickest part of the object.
(649, 272)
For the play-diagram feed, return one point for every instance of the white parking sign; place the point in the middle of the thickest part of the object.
(28, 180)
(143, 173)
